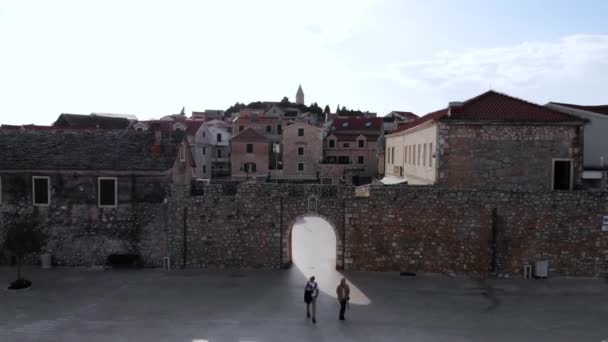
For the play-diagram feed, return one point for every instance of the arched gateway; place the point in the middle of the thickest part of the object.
(319, 224)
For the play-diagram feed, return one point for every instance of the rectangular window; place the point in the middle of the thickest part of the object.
(268, 129)
(249, 148)
(409, 152)
(300, 151)
(343, 160)
(393, 156)
(361, 143)
(204, 168)
(300, 132)
(346, 145)
(360, 159)
(332, 143)
(204, 150)
(424, 154)
(203, 134)
(41, 190)
(219, 153)
(219, 137)
(419, 150)
(431, 154)
(300, 166)
(182, 152)
(241, 128)
(279, 129)
(107, 191)
(414, 154)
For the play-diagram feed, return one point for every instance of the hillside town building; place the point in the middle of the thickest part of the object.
(492, 141)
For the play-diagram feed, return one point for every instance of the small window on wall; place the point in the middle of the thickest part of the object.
(300, 166)
(279, 129)
(219, 137)
(424, 154)
(300, 151)
(361, 143)
(249, 148)
(268, 128)
(219, 153)
(241, 128)
(204, 150)
(312, 204)
(332, 143)
(431, 154)
(204, 168)
(346, 145)
(182, 152)
(300, 132)
(360, 159)
(41, 190)
(107, 191)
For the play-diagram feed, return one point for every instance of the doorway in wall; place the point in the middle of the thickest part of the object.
(562, 174)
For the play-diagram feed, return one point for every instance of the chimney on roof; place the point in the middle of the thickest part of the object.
(454, 106)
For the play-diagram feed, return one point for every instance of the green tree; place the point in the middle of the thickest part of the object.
(23, 238)
(285, 100)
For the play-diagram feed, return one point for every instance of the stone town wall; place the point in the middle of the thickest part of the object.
(505, 157)
(82, 234)
(427, 229)
(385, 228)
(396, 228)
(232, 229)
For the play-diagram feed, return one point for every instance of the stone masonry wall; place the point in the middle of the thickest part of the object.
(427, 229)
(395, 228)
(243, 229)
(505, 157)
(385, 228)
(82, 234)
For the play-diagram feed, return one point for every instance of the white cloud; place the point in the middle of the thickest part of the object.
(529, 65)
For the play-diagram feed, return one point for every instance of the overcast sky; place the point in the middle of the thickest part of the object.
(151, 58)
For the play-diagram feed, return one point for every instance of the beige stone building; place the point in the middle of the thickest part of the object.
(302, 151)
(249, 155)
(351, 150)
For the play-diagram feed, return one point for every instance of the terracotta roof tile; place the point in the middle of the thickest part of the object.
(494, 106)
(602, 109)
(249, 135)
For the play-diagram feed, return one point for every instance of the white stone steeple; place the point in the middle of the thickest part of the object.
(300, 95)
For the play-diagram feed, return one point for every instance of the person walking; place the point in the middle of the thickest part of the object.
(343, 292)
(311, 292)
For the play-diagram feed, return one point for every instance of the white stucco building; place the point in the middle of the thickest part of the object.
(595, 144)
(212, 152)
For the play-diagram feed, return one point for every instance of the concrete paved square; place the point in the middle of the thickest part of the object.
(193, 305)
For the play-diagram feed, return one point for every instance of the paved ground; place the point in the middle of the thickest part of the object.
(150, 305)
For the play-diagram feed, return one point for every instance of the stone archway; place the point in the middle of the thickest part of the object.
(288, 243)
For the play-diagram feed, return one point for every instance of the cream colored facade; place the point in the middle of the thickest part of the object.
(410, 154)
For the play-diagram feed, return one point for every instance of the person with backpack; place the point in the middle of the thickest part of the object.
(311, 292)
(343, 293)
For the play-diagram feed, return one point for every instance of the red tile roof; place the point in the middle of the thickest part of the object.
(603, 109)
(406, 115)
(257, 119)
(249, 135)
(357, 124)
(493, 106)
